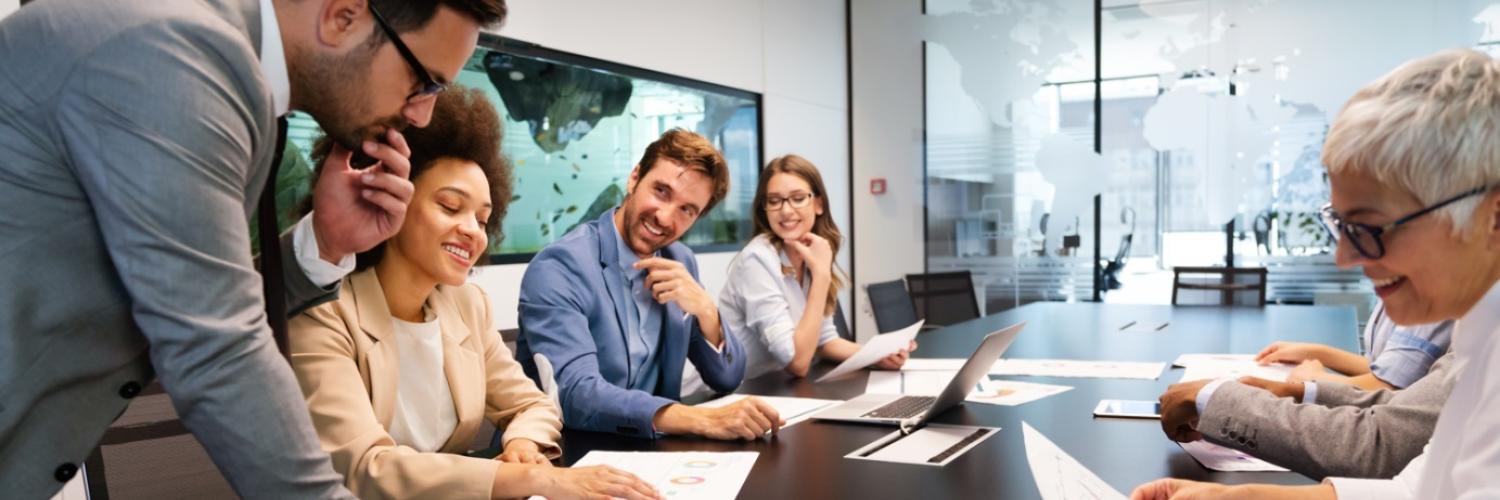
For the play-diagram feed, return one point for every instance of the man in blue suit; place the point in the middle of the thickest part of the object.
(616, 308)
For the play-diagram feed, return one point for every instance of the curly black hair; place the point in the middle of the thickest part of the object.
(465, 126)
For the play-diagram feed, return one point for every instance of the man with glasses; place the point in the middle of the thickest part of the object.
(136, 137)
(616, 307)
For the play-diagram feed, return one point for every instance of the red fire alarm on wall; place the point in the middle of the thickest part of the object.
(877, 185)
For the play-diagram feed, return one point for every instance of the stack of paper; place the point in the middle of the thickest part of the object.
(690, 474)
(792, 410)
(1212, 366)
(932, 383)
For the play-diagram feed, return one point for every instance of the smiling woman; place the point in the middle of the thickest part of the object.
(375, 364)
(1413, 162)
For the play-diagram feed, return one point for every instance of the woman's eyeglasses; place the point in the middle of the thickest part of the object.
(796, 200)
(1366, 238)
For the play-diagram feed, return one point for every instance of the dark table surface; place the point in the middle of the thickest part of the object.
(807, 460)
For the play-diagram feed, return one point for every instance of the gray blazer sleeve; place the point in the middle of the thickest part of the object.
(160, 126)
(1374, 438)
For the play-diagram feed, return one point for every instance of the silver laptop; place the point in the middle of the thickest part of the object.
(910, 412)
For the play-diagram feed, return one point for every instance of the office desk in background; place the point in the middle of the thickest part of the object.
(806, 460)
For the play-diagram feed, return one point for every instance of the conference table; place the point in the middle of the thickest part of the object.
(806, 460)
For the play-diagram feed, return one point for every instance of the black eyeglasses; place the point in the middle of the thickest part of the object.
(796, 200)
(429, 85)
(1366, 238)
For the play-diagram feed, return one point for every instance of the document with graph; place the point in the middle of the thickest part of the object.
(683, 474)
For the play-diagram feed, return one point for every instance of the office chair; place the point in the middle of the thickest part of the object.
(944, 298)
(1225, 286)
(891, 304)
(1112, 268)
(841, 324)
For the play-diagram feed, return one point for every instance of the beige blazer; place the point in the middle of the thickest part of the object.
(349, 376)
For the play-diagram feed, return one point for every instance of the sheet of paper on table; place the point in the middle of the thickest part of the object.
(1212, 366)
(1219, 458)
(792, 410)
(1047, 367)
(931, 383)
(933, 444)
(1078, 368)
(684, 474)
(877, 348)
(1058, 476)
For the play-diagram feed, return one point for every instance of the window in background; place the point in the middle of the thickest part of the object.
(574, 128)
(1010, 163)
(1247, 90)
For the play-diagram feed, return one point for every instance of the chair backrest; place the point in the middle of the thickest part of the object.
(508, 335)
(841, 324)
(1220, 286)
(943, 298)
(146, 440)
(891, 304)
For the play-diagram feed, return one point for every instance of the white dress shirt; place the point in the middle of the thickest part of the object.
(424, 417)
(273, 68)
(762, 305)
(1463, 458)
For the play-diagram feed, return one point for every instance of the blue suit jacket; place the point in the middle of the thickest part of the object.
(573, 310)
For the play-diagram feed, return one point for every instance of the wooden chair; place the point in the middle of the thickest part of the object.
(1234, 286)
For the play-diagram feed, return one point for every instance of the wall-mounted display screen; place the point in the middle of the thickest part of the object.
(575, 126)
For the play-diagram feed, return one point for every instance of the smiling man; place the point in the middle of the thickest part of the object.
(616, 307)
(136, 137)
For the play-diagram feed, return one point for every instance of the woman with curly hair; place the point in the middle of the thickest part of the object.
(402, 369)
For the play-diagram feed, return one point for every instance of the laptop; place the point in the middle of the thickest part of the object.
(908, 412)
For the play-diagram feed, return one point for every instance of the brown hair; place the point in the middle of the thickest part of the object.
(694, 152)
(823, 226)
(465, 126)
(412, 15)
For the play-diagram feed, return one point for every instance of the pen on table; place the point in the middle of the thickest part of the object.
(1127, 325)
(1163, 325)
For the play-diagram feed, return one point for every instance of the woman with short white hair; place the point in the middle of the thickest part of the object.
(1414, 162)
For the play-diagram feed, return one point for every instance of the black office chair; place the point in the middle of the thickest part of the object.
(943, 298)
(840, 324)
(891, 304)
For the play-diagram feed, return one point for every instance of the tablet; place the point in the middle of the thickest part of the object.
(1127, 409)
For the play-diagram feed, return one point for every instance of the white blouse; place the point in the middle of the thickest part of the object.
(762, 306)
(1463, 457)
(424, 417)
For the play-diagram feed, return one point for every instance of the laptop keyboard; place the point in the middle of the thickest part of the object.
(903, 408)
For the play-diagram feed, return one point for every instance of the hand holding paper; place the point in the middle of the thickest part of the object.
(876, 349)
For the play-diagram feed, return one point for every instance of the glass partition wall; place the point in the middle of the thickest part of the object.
(1211, 122)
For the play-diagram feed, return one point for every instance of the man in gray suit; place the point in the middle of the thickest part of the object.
(1317, 429)
(135, 138)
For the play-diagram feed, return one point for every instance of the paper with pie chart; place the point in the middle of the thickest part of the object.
(684, 474)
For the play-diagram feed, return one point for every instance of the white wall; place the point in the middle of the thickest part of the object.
(790, 51)
(8, 6)
(887, 76)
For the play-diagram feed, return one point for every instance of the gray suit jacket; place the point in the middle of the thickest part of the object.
(135, 136)
(1349, 432)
